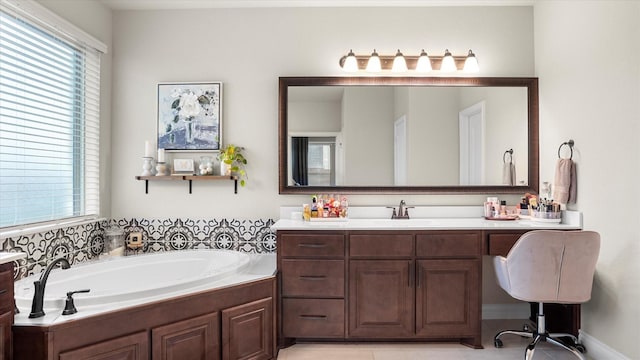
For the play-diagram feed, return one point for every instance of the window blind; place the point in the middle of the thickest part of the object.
(49, 124)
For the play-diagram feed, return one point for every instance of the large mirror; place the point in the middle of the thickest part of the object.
(415, 135)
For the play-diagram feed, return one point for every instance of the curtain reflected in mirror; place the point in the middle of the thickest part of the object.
(313, 160)
(299, 160)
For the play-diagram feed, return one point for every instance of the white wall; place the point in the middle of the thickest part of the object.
(432, 136)
(587, 60)
(248, 49)
(315, 116)
(369, 158)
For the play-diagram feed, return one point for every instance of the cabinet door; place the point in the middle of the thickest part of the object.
(247, 331)
(196, 338)
(448, 298)
(130, 347)
(381, 298)
(6, 321)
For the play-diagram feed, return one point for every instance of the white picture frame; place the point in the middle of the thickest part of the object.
(183, 167)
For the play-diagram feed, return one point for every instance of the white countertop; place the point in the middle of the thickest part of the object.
(571, 220)
(6, 257)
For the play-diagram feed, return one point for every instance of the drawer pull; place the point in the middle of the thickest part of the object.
(315, 246)
(313, 277)
(314, 317)
(2, 291)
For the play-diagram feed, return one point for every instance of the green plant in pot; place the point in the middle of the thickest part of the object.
(233, 161)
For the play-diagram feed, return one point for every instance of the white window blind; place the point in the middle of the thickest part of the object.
(49, 124)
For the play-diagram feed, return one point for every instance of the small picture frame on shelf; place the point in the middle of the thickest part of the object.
(183, 167)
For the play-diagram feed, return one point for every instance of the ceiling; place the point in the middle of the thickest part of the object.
(203, 4)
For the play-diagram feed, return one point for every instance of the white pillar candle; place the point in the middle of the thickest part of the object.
(148, 151)
(161, 155)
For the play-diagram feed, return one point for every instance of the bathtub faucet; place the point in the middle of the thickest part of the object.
(38, 295)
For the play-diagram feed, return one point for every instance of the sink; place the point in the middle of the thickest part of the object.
(404, 223)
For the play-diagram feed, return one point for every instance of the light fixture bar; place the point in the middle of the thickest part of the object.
(386, 61)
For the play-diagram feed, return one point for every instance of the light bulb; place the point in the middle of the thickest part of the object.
(374, 63)
(448, 63)
(471, 63)
(350, 62)
(424, 63)
(399, 63)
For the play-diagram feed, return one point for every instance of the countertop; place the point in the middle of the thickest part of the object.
(6, 257)
(571, 220)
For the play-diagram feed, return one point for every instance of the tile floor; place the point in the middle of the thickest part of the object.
(513, 349)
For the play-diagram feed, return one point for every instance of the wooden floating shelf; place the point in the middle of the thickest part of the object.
(189, 178)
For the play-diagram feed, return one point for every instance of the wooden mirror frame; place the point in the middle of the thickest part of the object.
(532, 127)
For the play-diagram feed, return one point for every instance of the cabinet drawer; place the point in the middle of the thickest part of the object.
(381, 245)
(319, 278)
(500, 244)
(447, 245)
(6, 291)
(311, 245)
(313, 318)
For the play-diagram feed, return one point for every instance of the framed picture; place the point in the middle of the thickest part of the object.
(183, 167)
(189, 116)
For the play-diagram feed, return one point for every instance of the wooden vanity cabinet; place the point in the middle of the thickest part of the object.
(401, 285)
(312, 285)
(6, 310)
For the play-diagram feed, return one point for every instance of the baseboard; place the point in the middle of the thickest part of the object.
(505, 311)
(597, 350)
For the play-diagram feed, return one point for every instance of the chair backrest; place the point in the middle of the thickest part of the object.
(553, 266)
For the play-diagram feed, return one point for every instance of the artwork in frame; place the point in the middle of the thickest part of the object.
(189, 116)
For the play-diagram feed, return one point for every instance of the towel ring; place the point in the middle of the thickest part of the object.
(570, 144)
(510, 151)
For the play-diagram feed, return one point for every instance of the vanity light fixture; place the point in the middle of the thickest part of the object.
(399, 63)
(374, 65)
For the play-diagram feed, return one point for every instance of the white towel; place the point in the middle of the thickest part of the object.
(509, 173)
(565, 186)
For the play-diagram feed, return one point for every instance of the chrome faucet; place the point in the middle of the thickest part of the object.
(402, 213)
(38, 295)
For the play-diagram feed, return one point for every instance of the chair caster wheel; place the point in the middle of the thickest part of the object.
(497, 343)
(581, 348)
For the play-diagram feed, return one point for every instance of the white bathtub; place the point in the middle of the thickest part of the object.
(136, 279)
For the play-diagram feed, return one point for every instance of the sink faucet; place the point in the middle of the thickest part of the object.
(38, 295)
(402, 213)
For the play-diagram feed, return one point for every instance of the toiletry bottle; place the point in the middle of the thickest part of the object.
(314, 207)
(306, 212)
(503, 207)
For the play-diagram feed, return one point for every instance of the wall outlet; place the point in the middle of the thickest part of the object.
(134, 240)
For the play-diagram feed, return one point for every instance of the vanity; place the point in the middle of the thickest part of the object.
(6, 302)
(375, 279)
(389, 280)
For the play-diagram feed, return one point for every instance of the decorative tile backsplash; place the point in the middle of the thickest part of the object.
(86, 242)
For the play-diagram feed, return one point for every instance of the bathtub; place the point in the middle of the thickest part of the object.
(132, 280)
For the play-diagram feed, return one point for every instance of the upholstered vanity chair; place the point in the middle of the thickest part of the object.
(548, 266)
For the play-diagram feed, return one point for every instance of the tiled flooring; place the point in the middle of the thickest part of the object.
(513, 349)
